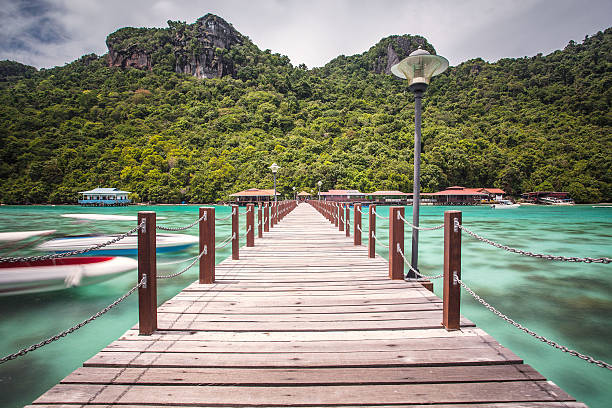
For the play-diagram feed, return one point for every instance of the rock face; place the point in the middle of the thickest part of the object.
(398, 47)
(197, 49)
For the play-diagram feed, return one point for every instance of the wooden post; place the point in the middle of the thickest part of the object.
(235, 233)
(259, 222)
(372, 231)
(357, 224)
(396, 237)
(266, 217)
(347, 215)
(147, 266)
(341, 217)
(335, 213)
(452, 267)
(207, 237)
(250, 222)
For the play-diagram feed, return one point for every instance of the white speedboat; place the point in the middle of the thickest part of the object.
(505, 204)
(54, 274)
(556, 201)
(127, 246)
(21, 235)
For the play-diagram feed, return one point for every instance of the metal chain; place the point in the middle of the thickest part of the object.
(161, 227)
(197, 258)
(376, 239)
(226, 242)
(226, 218)
(411, 225)
(535, 255)
(73, 328)
(359, 228)
(379, 216)
(399, 249)
(543, 339)
(72, 253)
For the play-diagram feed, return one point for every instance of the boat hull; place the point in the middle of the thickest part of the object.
(127, 246)
(42, 276)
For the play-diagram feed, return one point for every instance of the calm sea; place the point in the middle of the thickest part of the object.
(570, 303)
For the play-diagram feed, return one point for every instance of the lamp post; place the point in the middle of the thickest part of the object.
(294, 196)
(319, 183)
(418, 68)
(274, 167)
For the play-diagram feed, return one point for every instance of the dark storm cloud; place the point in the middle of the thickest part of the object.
(29, 25)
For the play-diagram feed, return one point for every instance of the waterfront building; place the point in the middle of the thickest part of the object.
(253, 195)
(104, 197)
(388, 197)
(457, 195)
(343, 196)
(303, 196)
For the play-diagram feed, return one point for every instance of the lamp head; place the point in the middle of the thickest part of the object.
(274, 167)
(419, 67)
(319, 183)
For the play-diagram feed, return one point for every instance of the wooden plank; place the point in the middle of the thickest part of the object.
(489, 355)
(479, 392)
(565, 404)
(234, 376)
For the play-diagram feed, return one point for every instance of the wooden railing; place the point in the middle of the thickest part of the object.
(338, 214)
(269, 215)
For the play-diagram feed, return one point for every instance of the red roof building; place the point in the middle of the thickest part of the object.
(254, 195)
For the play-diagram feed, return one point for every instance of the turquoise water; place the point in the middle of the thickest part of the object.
(570, 303)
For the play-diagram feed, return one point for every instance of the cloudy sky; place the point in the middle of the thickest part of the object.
(46, 33)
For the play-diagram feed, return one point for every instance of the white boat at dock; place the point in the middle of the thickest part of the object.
(505, 204)
(53, 274)
(127, 246)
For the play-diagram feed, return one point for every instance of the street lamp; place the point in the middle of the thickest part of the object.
(274, 167)
(294, 197)
(418, 68)
(319, 183)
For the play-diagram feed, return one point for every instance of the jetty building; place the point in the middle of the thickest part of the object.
(104, 197)
(254, 195)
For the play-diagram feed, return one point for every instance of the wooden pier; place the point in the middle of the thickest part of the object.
(305, 318)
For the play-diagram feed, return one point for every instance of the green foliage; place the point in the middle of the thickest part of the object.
(519, 124)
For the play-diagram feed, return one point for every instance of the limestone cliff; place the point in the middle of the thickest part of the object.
(198, 49)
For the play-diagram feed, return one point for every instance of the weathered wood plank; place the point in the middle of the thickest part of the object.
(234, 376)
(480, 392)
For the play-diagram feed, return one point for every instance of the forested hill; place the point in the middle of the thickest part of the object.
(194, 112)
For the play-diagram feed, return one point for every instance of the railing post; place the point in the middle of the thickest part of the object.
(347, 217)
(335, 211)
(452, 268)
(207, 238)
(357, 224)
(250, 222)
(235, 233)
(371, 231)
(259, 222)
(341, 217)
(266, 217)
(147, 266)
(396, 237)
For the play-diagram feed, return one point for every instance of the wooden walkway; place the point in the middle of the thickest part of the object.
(305, 318)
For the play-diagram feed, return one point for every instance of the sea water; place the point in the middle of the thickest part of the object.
(570, 303)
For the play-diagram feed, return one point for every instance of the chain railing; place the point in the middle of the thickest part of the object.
(73, 253)
(163, 228)
(225, 218)
(197, 258)
(380, 242)
(532, 254)
(543, 339)
(73, 328)
(226, 242)
(419, 274)
(411, 225)
(378, 215)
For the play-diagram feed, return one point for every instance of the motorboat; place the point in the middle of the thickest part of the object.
(53, 274)
(104, 217)
(505, 204)
(556, 201)
(21, 235)
(126, 246)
